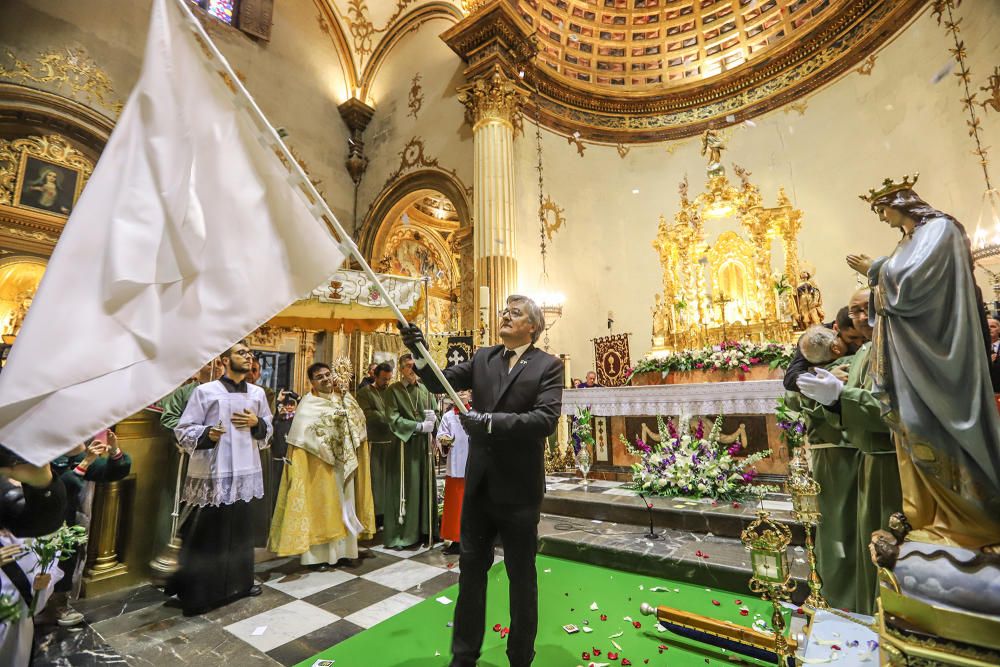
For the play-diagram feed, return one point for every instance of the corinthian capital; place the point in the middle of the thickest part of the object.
(492, 97)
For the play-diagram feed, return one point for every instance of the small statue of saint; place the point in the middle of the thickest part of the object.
(712, 146)
(808, 302)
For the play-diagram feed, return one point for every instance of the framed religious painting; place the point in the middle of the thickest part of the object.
(47, 186)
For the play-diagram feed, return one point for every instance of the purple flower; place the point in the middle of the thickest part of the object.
(800, 428)
(700, 433)
(734, 449)
(671, 429)
(642, 446)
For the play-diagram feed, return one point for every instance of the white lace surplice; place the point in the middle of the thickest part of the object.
(230, 471)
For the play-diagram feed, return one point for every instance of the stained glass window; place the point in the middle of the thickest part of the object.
(220, 9)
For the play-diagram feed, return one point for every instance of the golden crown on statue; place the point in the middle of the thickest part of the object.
(888, 187)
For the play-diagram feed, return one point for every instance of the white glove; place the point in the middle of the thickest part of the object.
(429, 415)
(426, 426)
(823, 387)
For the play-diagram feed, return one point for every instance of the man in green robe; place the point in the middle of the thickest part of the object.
(852, 407)
(372, 399)
(408, 495)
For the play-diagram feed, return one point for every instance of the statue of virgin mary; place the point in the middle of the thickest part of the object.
(930, 371)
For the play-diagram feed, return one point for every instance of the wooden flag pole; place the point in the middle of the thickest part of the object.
(298, 178)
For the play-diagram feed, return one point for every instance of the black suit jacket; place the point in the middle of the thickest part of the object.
(525, 405)
(994, 370)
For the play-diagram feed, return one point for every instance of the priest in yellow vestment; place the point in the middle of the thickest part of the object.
(325, 500)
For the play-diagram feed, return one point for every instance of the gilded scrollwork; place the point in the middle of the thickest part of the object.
(51, 147)
(416, 97)
(71, 68)
(414, 156)
(992, 88)
(574, 140)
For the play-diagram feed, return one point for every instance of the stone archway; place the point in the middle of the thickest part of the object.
(388, 226)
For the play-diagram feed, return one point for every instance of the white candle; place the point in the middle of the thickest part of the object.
(484, 296)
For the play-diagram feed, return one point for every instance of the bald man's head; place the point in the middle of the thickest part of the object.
(858, 306)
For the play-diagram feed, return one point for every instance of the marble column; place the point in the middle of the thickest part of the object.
(493, 102)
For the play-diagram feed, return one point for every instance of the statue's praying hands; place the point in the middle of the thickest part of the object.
(860, 263)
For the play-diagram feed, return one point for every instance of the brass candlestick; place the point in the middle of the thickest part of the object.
(804, 490)
(767, 543)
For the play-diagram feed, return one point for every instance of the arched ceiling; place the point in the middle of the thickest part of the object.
(633, 71)
(637, 45)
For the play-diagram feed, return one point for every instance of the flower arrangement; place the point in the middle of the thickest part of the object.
(791, 424)
(582, 430)
(730, 355)
(54, 547)
(693, 464)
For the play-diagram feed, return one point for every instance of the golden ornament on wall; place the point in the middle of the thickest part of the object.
(551, 215)
(72, 68)
(865, 69)
(992, 87)
(416, 98)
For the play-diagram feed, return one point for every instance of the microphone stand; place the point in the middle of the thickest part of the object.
(649, 509)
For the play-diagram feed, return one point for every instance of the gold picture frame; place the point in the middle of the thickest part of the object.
(47, 186)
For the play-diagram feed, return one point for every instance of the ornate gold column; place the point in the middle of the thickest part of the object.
(493, 40)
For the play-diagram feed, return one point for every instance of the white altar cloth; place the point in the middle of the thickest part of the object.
(755, 397)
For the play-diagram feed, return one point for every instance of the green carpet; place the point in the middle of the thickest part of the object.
(421, 636)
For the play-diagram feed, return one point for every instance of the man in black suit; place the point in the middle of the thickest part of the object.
(994, 326)
(516, 400)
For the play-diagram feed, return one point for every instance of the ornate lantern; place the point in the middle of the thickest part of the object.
(767, 543)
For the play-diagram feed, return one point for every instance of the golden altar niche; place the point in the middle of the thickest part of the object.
(723, 287)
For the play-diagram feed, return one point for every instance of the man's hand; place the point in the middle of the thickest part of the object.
(95, 450)
(475, 423)
(823, 387)
(412, 336)
(25, 473)
(840, 372)
(860, 263)
(244, 421)
(113, 447)
(215, 432)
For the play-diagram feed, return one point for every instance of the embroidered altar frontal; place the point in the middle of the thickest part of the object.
(748, 408)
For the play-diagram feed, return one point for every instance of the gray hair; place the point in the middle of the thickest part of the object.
(815, 344)
(534, 313)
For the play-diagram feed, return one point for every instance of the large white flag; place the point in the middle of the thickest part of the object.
(187, 237)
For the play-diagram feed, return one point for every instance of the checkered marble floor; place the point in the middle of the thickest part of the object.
(299, 613)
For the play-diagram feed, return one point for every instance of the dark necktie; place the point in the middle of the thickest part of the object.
(507, 356)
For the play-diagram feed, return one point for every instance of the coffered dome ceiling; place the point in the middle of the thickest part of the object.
(647, 70)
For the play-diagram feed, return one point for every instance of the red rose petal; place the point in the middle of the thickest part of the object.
(596, 651)
(612, 655)
(698, 553)
(626, 662)
(585, 656)
(716, 603)
(705, 556)
(604, 617)
(738, 602)
(646, 661)
(799, 611)
(744, 612)
(736, 505)
(835, 647)
(636, 624)
(496, 628)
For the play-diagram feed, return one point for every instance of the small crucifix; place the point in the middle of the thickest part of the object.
(721, 302)
(456, 357)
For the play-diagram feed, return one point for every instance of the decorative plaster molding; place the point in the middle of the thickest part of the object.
(70, 68)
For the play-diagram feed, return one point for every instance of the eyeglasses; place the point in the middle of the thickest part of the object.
(244, 353)
(511, 312)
